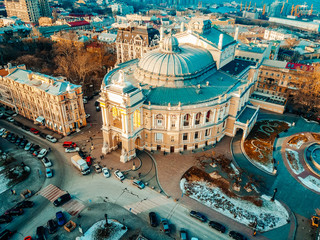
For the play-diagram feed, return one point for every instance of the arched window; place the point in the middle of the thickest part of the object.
(208, 116)
(116, 113)
(136, 118)
(159, 120)
(198, 117)
(186, 120)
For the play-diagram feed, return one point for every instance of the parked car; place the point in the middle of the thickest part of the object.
(42, 153)
(60, 218)
(5, 134)
(5, 219)
(198, 216)
(84, 101)
(14, 212)
(82, 154)
(52, 226)
(138, 183)
(69, 144)
(98, 109)
(28, 146)
(218, 226)
(183, 234)
(34, 148)
(237, 236)
(49, 173)
(97, 168)
(6, 234)
(62, 200)
(106, 172)
(25, 127)
(119, 175)
(88, 115)
(96, 103)
(2, 130)
(36, 153)
(23, 143)
(10, 119)
(34, 131)
(46, 162)
(89, 160)
(24, 204)
(41, 233)
(51, 139)
(72, 149)
(43, 135)
(165, 226)
(153, 219)
(14, 139)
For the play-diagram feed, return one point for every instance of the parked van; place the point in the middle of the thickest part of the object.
(69, 144)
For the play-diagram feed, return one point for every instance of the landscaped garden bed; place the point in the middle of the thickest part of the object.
(297, 140)
(294, 162)
(246, 209)
(258, 146)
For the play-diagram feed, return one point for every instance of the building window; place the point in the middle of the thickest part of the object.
(208, 116)
(186, 120)
(185, 136)
(207, 133)
(198, 117)
(159, 137)
(146, 135)
(196, 135)
(172, 138)
(224, 124)
(136, 118)
(159, 120)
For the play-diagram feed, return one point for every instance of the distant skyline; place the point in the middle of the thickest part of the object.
(315, 3)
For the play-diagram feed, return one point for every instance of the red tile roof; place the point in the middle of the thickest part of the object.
(299, 66)
(78, 23)
(3, 72)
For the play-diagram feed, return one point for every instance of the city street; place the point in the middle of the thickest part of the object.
(95, 189)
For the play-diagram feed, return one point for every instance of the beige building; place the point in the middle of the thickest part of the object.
(48, 101)
(133, 42)
(173, 99)
(27, 10)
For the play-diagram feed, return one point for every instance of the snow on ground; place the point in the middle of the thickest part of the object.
(311, 182)
(297, 145)
(116, 233)
(297, 168)
(3, 181)
(270, 215)
(267, 167)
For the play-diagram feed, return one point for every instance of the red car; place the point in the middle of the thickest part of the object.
(69, 144)
(89, 160)
(34, 131)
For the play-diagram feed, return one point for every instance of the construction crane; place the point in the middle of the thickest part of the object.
(241, 6)
(296, 13)
(255, 7)
(264, 10)
(249, 6)
(282, 8)
(292, 9)
(245, 7)
(311, 10)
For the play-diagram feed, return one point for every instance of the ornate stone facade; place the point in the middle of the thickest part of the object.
(51, 102)
(173, 99)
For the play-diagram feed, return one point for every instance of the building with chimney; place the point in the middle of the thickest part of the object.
(175, 99)
(134, 41)
(48, 101)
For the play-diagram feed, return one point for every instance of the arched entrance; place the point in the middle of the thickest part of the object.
(137, 143)
(117, 142)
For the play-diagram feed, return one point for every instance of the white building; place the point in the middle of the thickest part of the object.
(307, 25)
(277, 34)
(122, 9)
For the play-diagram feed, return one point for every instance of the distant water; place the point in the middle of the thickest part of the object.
(223, 9)
(316, 3)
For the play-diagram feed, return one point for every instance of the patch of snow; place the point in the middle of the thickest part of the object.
(234, 169)
(116, 234)
(182, 183)
(268, 167)
(311, 182)
(3, 181)
(269, 216)
(295, 155)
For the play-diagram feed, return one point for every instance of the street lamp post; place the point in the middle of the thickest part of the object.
(106, 217)
(274, 194)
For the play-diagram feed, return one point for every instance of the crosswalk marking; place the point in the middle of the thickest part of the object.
(147, 204)
(52, 192)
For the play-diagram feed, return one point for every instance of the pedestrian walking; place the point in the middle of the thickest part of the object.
(14, 192)
(11, 191)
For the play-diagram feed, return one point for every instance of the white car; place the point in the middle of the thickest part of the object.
(119, 175)
(42, 153)
(51, 139)
(97, 168)
(2, 131)
(10, 119)
(85, 101)
(46, 162)
(106, 172)
(72, 149)
(88, 115)
(28, 146)
(49, 173)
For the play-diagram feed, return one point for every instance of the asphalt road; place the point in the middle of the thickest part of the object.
(93, 188)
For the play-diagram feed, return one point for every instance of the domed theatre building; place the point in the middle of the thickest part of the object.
(173, 99)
